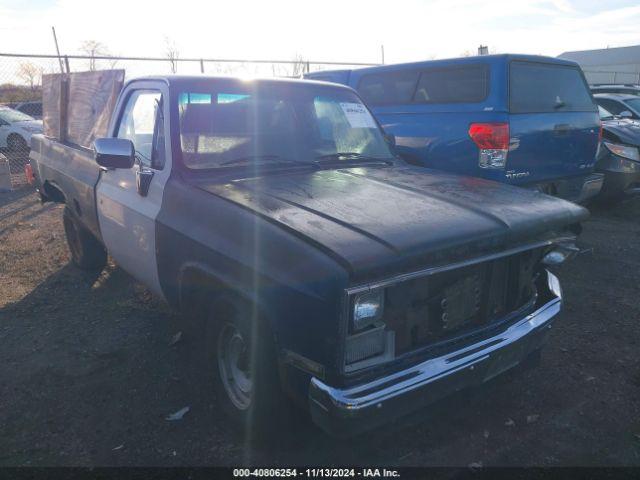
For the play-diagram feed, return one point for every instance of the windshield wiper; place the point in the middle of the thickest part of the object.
(272, 159)
(340, 157)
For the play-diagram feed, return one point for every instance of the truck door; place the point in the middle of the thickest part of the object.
(129, 199)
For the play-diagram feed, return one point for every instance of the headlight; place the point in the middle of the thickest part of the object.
(367, 309)
(560, 254)
(369, 341)
(624, 151)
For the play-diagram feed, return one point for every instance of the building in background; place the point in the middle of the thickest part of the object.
(608, 65)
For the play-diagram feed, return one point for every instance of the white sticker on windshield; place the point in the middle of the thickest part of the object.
(357, 115)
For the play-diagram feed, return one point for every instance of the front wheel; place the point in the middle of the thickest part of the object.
(240, 361)
(86, 251)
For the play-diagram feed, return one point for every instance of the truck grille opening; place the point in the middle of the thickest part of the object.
(433, 308)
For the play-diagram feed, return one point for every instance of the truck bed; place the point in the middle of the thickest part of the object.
(67, 173)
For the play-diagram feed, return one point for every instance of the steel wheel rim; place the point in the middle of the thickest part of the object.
(234, 366)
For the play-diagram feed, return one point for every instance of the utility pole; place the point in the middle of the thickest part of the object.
(55, 40)
(382, 52)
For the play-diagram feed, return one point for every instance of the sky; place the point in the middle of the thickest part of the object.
(327, 30)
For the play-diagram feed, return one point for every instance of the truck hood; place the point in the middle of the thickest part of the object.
(627, 131)
(399, 217)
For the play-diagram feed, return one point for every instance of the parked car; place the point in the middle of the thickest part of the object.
(33, 109)
(619, 158)
(628, 89)
(310, 262)
(518, 119)
(620, 104)
(16, 129)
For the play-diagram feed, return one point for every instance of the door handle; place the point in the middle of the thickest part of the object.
(143, 180)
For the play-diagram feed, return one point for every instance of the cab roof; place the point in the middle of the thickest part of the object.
(185, 81)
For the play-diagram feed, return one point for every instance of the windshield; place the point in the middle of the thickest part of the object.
(10, 116)
(604, 113)
(276, 123)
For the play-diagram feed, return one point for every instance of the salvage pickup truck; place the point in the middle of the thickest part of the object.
(310, 261)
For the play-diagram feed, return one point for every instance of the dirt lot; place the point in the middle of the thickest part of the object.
(88, 374)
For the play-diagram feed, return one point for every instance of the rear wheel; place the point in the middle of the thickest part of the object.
(86, 251)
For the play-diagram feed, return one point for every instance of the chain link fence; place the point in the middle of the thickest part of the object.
(595, 77)
(21, 81)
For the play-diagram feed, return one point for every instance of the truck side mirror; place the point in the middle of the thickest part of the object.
(626, 114)
(114, 152)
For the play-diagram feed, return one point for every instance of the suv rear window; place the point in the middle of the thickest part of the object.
(538, 87)
(467, 84)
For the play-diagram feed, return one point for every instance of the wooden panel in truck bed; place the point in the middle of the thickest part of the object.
(77, 107)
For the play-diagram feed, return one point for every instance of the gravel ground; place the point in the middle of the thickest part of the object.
(89, 376)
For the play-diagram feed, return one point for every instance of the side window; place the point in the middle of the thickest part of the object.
(388, 88)
(142, 123)
(468, 84)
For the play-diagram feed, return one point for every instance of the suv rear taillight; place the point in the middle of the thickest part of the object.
(493, 141)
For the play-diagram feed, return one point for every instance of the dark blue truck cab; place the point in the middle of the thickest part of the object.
(518, 119)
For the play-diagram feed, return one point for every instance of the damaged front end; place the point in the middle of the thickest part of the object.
(415, 338)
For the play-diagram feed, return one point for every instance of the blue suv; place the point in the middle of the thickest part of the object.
(519, 119)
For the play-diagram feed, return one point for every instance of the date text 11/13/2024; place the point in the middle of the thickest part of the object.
(316, 472)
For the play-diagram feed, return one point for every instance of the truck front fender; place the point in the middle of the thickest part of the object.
(200, 284)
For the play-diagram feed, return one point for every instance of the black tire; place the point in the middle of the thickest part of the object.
(86, 251)
(16, 143)
(257, 408)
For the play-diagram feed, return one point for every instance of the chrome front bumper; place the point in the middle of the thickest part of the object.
(362, 407)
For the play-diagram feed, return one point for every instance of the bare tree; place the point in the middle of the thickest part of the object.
(172, 53)
(93, 48)
(299, 66)
(30, 73)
